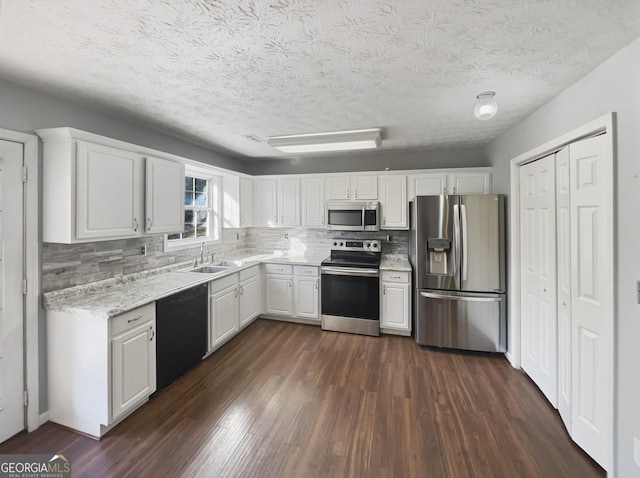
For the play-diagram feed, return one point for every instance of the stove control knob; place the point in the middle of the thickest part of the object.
(341, 244)
(335, 243)
(374, 245)
(367, 245)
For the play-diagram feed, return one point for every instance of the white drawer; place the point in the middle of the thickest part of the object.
(217, 285)
(278, 269)
(133, 318)
(394, 276)
(307, 271)
(250, 272)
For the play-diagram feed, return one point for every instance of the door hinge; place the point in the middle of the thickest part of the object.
(24, 286)
(25, 397)
(24, 174)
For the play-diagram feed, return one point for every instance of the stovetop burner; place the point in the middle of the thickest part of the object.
(354, 253)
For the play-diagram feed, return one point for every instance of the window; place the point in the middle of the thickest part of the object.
(201, 212)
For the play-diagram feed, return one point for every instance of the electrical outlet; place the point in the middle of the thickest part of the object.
(636, 451)
(143, 250)
(286, 235)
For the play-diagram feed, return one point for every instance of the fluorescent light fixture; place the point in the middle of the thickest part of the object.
(486, 107)
(318, 142)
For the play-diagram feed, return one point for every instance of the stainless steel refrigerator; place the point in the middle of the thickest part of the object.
(457, 250)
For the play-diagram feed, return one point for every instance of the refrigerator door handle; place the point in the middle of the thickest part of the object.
(463, 217)
(456, 243)
(431, 295)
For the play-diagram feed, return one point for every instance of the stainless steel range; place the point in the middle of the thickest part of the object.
(350, 287)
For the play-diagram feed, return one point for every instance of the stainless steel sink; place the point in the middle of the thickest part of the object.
(209, 269)
(228, 263)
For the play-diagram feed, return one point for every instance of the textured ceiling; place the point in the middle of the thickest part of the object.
(214, 71)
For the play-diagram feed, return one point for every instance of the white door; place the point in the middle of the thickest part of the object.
(395, 306)
(538, 270)
(249, 299)
(223, 315)
(469, 183)
(364, 187)
(289, 202)
(313, 202)
(134, 368)
(279, 294)
(164, 196)
(109, 192)
(306, 301)
(563, 227)
(592, 297)
(11, 271)
(246, 202)
(393, 202)
(265, 204)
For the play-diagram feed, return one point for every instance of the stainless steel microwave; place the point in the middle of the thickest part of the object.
(353, 215)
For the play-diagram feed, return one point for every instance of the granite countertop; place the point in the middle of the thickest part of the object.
(395, 262)
(112, 297)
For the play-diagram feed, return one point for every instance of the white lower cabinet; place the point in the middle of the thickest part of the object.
(395, 302)
(100, 370)
(234, 301)
(293, 291)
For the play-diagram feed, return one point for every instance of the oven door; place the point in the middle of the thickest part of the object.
(350, 292)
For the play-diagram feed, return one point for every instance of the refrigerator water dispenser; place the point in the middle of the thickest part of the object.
(438, 255)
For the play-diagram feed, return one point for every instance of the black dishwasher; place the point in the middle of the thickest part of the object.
(181, 326)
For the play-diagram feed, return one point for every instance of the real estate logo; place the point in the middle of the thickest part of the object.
(34, 466)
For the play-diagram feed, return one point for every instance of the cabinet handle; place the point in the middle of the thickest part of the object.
(316, 284)
(394, 277)
(282, 219)
(290, 285)
(322, 219)
(384, 290)
(454, 190)
(356, 193)
(149, 224)
(135, 225)
(348, 193)
(135, 319)
(241, 290)
(275, 219)
(384, 220)
(235, 293)
(153, 333)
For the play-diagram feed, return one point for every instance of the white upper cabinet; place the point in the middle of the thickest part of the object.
(464, 181)
(164, 199)
(96, 188)
(289, 202)
(108, 199)
(237, 202)
(276, 202)
(469, 183)
(352, 187)
(312, 200)
(393, 202)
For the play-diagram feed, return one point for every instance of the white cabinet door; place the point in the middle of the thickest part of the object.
(306, 297)
(249, 300)
(289, 202)
(109, 192)
(538, 275)
(133, 368)
(279, 294)
(246, 202)
(395, 306)
(364, 187)
(265, 205)
(428, 184)
(338, 188)
(312, 199)
(393, 202)
(164, 196)
(223, 316)
(469, 183)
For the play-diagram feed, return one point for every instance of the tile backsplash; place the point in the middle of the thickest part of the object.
(68, 265)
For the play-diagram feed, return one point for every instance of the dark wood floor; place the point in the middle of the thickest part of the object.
(286, 400)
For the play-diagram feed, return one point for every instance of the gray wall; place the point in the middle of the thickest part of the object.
(377, 160)
(26, 110)
(613, 86)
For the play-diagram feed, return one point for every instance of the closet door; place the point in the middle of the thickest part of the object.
(563, 226)
(592, 297)
(538, 270)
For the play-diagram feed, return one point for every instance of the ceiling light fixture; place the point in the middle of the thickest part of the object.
(486, 107)
(320, 142)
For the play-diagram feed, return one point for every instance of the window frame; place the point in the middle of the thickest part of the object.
(215, 208)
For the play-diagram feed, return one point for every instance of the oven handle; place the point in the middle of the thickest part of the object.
(346, 271)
